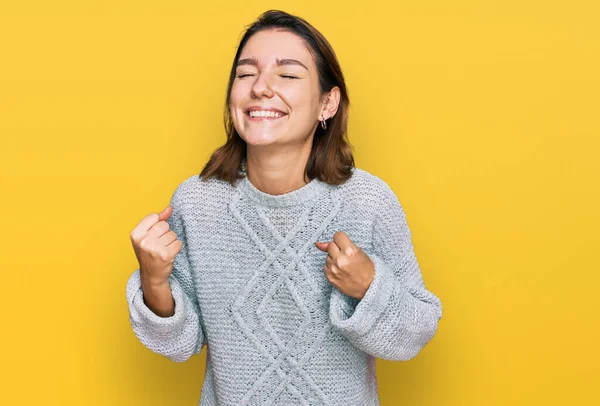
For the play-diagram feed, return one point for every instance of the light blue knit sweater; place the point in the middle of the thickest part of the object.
(249, 283)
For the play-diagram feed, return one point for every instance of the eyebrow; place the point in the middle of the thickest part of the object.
(280, 62)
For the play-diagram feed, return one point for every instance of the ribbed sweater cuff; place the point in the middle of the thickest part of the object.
(360, 318)
(141, 314)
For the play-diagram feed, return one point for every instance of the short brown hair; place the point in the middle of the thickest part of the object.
(331, 158)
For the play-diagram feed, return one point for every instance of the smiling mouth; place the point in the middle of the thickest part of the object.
(264, 117)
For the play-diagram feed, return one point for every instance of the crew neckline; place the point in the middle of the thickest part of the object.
(297, 196)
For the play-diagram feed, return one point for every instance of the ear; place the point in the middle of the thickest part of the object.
(330, 103)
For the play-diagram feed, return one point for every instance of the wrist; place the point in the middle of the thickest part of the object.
(369, 279)
(153, 283)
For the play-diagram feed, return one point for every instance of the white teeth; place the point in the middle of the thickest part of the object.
(263, 113)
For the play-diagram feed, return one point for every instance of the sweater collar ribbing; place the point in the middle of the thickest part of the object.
(297, 196)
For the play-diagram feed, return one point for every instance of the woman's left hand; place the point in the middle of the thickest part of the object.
(347, 267)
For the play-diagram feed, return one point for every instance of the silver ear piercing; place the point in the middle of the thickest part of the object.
(323, 123)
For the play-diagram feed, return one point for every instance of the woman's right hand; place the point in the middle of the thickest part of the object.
(155, 246)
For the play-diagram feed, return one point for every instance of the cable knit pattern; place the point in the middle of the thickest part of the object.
(249, 283)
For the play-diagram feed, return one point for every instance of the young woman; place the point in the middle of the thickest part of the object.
(293, 267)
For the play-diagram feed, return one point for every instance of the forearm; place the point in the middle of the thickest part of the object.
(178, 336)
(158, 297)
(393, 321)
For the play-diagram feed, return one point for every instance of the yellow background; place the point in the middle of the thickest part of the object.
(483, 116)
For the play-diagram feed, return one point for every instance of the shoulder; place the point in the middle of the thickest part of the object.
(369, 189)
(194, 190)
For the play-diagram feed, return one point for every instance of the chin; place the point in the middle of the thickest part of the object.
(259, 139)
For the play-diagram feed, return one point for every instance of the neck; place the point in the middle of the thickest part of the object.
(277, 173)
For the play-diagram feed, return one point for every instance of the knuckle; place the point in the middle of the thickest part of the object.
(151, 217)
(144, 244)
(159, 227)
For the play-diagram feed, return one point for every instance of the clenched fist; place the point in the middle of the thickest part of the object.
(155, 246)
(347, 267)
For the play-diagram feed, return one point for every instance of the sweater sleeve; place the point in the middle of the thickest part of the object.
(397, 316)
(181, 335)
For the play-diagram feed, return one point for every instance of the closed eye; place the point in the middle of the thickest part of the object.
(283, 76)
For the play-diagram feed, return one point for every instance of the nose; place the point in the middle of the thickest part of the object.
(261, 86)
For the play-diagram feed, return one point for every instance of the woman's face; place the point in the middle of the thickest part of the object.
(275, 71)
